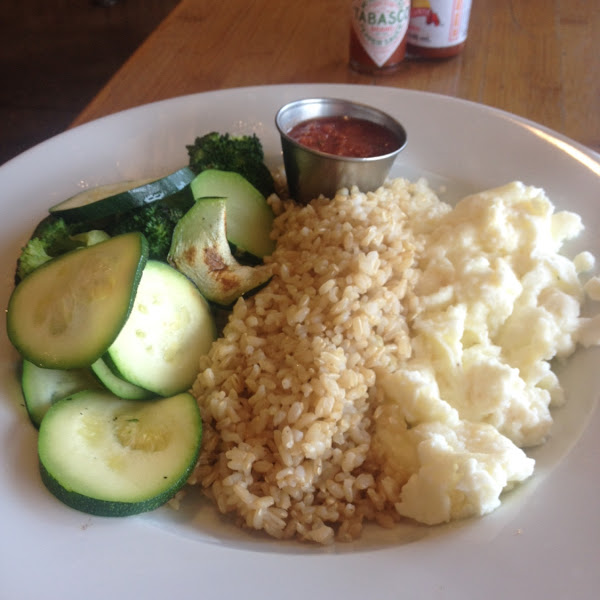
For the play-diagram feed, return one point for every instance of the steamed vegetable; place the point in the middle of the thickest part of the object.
(111, 341)
(241, 154)
(201, 252)
(43, 387)
(106, 211)
(152, 207)
(114, 383)
(249, 216)
(169, 328)
(112, 457)
(106, 200)
(68, 312)
(51, 237)
(156, 221)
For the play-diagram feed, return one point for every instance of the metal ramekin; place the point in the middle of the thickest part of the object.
(310, 172)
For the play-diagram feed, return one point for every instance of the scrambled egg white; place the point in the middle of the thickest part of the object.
(494, 303)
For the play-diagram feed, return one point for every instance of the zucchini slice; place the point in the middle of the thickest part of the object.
(169, 328)
(199, 249)
(249, 216)
(106, 200)
(117, 385)
(67, 312)
(112, 457)
(43, 387)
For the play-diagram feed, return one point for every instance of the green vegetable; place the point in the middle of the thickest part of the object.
(242, 154)
(200, 251)
(53, 236)
(112, 457)
(169, 328)
(152, 208)
(50, 238)
(67, 312)
(89, 238)
(117, 385)
(249, 216)
(106, 200)
(43, 387)
(33, 255)
(156, 221)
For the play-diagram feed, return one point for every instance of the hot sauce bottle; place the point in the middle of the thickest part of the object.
(438, 28)
(378, 35)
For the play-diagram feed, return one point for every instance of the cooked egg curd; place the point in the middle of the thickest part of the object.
(494, 302)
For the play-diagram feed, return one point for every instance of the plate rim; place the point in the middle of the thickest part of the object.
(109, 531)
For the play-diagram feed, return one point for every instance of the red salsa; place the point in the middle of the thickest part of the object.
(345, 136)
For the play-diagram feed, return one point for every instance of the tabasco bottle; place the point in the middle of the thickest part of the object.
(378, 35)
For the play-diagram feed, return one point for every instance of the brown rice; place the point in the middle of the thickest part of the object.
(287, 393)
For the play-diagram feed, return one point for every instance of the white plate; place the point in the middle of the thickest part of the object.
(545, 539)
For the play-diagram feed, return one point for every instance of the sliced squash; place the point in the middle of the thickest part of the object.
(107, 456)
(249, 216)
(103, 201)
(201, 252)
(66, 313)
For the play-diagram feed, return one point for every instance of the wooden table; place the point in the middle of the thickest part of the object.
(538, 59)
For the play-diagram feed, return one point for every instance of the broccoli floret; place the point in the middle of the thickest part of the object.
(56, 235)
(156, 221)
(241, 154)
(32, 256)
(50, 238)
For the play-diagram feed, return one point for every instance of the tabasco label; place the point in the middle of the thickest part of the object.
(380, 26)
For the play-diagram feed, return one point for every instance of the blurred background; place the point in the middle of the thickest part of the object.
(55, 55)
